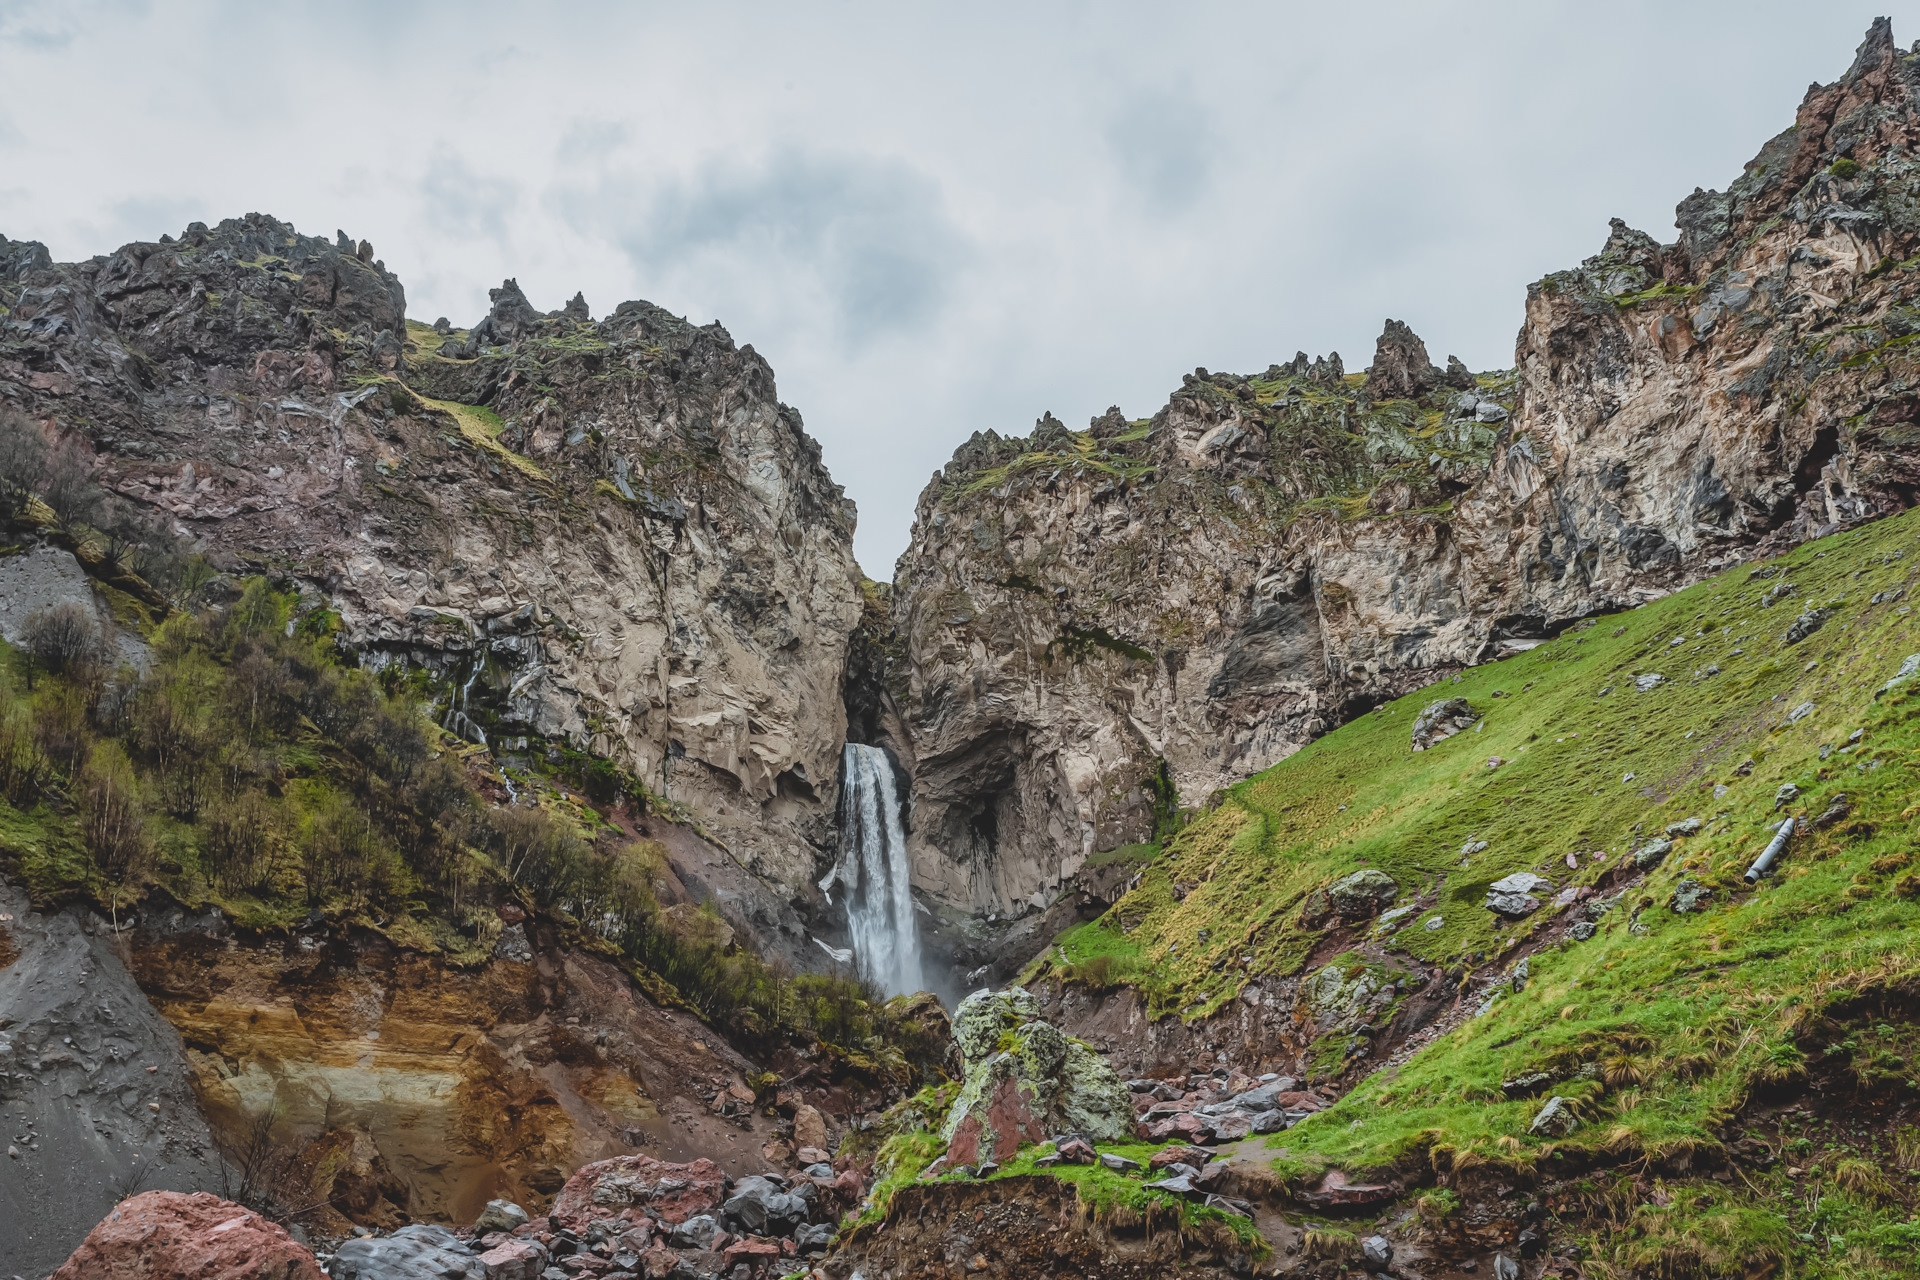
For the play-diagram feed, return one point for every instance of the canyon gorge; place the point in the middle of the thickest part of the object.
(613, 572)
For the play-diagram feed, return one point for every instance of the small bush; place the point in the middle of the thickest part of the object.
(1844, 168)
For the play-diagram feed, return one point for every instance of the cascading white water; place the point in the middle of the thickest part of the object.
(874, 872)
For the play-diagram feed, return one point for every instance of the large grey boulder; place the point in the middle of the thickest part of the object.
(419, 1252)
(1440, 720)
(1513, 895)
(1363, 893)
(499, 1215)
(762, 1207)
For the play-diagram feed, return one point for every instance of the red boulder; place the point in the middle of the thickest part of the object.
(168, 1235)
(625, 1185)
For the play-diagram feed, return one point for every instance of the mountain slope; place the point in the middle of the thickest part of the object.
(1689, 1018)
(1090, 640)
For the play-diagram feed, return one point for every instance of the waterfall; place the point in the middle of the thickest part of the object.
(874, 872)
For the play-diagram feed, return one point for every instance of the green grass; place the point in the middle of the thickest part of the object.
(1684, 1019)
(482, 427)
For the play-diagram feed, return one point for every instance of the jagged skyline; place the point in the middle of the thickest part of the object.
(928, 227)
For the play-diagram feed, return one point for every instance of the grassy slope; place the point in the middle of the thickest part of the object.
(1741, 983)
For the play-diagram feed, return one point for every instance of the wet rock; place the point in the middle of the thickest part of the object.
(1440, 720)
(1362, 894)
(167, 1235)
(499, 1215)
(417, 1252)
(1377, 1252)
(1555, 1120)
(815, 1235)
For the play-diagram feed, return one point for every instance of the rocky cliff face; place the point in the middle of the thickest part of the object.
(610, 533)
(1097, 627)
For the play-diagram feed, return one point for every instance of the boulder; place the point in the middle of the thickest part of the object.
(627, 1184)
(515, 1260)
(1362, 894)
(1555, 1120)
(815, 1235)
(809, 1127)
(759, 1206)
(1117, 1163)
(1653, 852)
(1041, 1082)
(1166, 1157)
(1377, 1252)
(499, 1215)
(1513, 895)
(417, 1252)
(1440, 720)
(696, 1232)
(162, 1235)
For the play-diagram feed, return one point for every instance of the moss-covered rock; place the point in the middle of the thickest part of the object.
(1026, 1080)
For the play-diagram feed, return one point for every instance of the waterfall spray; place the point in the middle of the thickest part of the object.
(874, 872)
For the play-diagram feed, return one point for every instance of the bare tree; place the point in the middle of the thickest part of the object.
(69, 488)
(62, 637)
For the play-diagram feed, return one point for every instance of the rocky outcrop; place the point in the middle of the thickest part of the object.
(1025, 1082)
(164, 1235)
(93, 1085)
(1098, 627)
(610, 533)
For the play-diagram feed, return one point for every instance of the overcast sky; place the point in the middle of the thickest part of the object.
(931, 220)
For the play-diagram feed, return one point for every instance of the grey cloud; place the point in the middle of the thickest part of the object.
(1161, 141)
(461, 201)
(872, 235)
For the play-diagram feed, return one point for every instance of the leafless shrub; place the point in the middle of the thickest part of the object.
(63, 637)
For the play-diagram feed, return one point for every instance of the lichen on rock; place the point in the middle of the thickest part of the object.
(1026, 1080)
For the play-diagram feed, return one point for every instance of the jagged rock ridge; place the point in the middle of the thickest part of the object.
(1081, 615)
(612, 534)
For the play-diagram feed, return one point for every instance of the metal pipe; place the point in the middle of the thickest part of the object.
(1764, 863)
